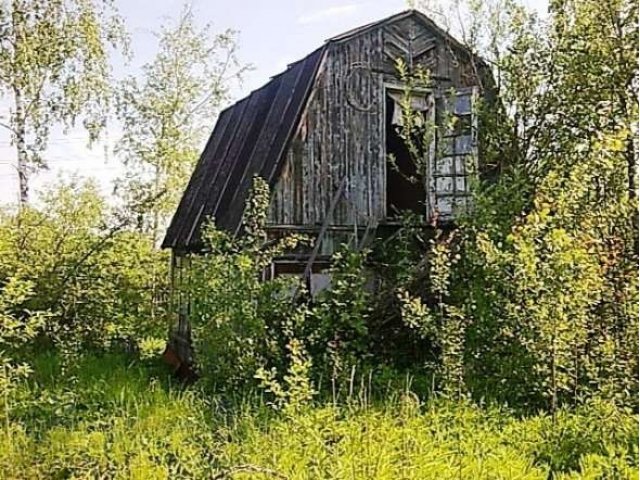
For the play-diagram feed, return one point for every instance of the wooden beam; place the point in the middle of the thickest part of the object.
(323, 230)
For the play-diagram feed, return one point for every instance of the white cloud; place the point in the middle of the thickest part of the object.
(324, 14)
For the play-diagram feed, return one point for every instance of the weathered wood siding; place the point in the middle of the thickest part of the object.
(341, 133)
(342, 130)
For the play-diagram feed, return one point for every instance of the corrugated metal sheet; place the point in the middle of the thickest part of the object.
(249, 138)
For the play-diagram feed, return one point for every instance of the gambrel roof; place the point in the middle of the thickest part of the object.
(251, 137)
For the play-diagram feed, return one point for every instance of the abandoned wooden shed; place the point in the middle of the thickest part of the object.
(321, 133)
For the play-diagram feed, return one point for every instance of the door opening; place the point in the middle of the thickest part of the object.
(405, 186)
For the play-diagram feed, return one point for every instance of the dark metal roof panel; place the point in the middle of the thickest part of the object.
(205, 174)
(269, 151)
(261, 149)
(250, 137)
(196, 180)
(236, 157)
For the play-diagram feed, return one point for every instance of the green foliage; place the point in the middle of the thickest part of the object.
(462, 442)
(18, 326)
(442, 323)
(83, 278)
(555, 266)
(239, 322)
(17, 330)
(105, 419)
(417, 132)
(245, 327)
(167, 114)
(115, 419)
(336, 325)
(54, 64)
(295, 391)
(534, 299)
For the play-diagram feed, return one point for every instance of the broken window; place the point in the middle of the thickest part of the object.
(442, 186)
(456, 155)
(405, 183)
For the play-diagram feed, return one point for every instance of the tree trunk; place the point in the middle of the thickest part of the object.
(554, 380)
(17, 20)
(156, 214)
(21, 148)
(631, 168)
(631, 179)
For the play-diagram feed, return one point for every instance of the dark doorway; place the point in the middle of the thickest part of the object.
(405, 188)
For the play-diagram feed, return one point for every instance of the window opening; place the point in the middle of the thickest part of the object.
(405, 186)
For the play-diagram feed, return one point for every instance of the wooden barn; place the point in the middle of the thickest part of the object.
(322, 132)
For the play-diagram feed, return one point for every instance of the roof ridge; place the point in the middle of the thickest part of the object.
(362, 28)
(356, 31)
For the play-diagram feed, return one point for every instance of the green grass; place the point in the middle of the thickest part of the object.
(108, 418)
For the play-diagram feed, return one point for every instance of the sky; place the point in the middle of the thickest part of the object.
(272, 34)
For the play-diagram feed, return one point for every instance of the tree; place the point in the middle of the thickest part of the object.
(547, 276)
(54, 66)
(166, 114)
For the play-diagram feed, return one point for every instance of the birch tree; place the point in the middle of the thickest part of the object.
(54, 68)
(167, 112)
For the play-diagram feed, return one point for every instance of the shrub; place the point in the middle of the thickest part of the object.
(239, 322)
(336, 326)
(98, 281)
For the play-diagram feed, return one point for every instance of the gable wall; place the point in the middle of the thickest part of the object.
(342, 130)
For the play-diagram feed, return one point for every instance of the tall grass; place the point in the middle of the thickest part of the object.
(106, 418)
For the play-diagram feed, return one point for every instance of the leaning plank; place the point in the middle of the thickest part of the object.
(323, 230)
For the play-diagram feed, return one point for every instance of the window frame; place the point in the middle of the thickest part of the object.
(431, 96)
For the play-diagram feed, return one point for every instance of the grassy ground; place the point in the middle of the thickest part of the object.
(106, 418)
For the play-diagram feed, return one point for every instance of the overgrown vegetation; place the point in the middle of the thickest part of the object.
(506, 347)
(90, 282)
(533, 299)
(109, 418)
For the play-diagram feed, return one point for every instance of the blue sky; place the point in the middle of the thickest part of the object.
(272, 34)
